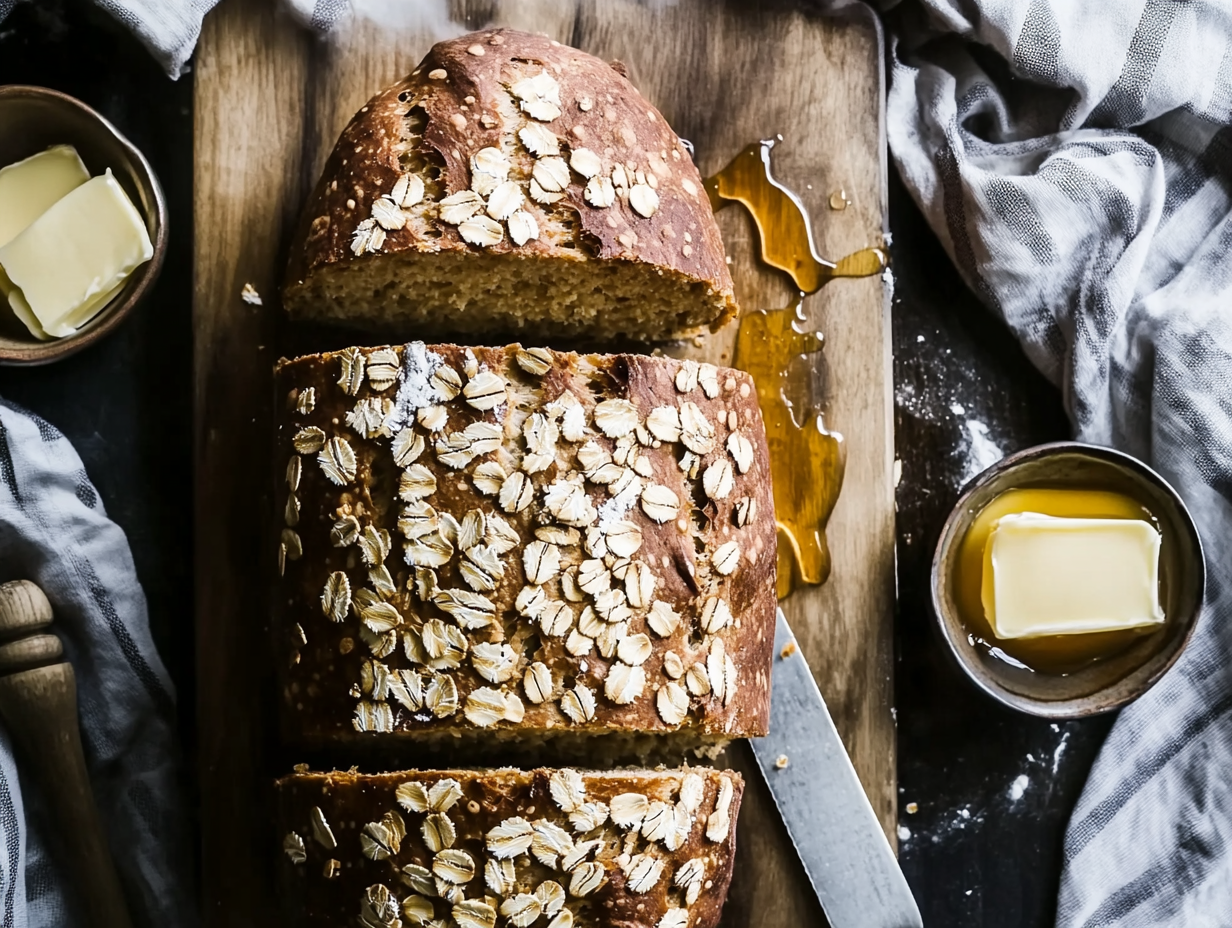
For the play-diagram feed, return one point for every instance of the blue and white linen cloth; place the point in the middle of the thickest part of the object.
(55, 532)
(1075, 158)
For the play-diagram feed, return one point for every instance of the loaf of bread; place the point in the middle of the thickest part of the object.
(477, 849)
(523, 543)
(511, 185)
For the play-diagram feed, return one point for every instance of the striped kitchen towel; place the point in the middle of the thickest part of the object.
(1075, 158)
(170, 28)
(54, 531)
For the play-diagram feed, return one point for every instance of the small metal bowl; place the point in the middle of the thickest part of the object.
(1106, 684)
(35, 118)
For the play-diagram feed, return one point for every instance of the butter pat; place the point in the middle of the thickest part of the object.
(70, 261)
(29, 188)
(1054, 576)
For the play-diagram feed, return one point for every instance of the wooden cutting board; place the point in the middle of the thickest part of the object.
(270, 101)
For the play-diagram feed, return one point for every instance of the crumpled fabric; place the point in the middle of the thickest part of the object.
(1075, 158)
(170, 28)
(55, 532)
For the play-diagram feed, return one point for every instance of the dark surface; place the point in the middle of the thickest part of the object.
(126, 403)
(984, 846)
(973, 854)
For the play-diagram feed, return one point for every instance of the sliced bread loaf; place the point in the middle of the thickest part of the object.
(522, 543)
(510, 185)
(480, 848)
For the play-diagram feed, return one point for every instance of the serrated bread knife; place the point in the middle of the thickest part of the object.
(828, 816)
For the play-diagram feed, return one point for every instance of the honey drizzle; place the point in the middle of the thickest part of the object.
(806, 459)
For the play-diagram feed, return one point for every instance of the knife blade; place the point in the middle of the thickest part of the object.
(828, 816)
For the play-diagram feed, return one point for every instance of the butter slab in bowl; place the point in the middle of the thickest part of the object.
(119, 196)
(1099, 580)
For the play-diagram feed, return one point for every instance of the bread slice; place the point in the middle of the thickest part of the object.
(476, 848)
(522, 545)
(510, 185)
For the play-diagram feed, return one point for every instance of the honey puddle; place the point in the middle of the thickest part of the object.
(806, 459)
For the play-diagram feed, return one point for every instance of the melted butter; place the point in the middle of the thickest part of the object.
(1053, 653)
(806, 459)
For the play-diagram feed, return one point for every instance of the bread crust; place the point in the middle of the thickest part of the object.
(457, 102)
(674, 619)
(328, 873)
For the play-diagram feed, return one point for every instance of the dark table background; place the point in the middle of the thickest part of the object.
(984, 793)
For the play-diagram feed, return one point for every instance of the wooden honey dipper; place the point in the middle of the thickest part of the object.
(38, 705)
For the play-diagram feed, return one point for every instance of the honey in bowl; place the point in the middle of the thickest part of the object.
(1049, 653)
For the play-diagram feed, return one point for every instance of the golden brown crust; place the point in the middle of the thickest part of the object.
(455, 104)
(635, 625)
(354, 844)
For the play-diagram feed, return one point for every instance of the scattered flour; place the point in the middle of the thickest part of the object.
(619, 505)
(1018, 787)
(415, 389)
(955, 820)
(974, 446)
(982, 452)
(1056, 755)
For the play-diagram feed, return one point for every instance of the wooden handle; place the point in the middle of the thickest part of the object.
(38, 703)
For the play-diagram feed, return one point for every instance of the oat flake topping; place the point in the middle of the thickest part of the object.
(505, 545)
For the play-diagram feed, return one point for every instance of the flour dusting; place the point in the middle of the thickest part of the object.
(415, 388)
(982, 452)
(1018, 787)
(619, 505)
(1056, 755)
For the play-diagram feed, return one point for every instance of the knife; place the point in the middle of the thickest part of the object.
(828, 816)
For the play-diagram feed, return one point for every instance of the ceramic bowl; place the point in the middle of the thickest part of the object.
(35, 118)
(1102, 685)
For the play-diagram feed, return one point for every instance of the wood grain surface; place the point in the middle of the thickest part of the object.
(270, 101)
